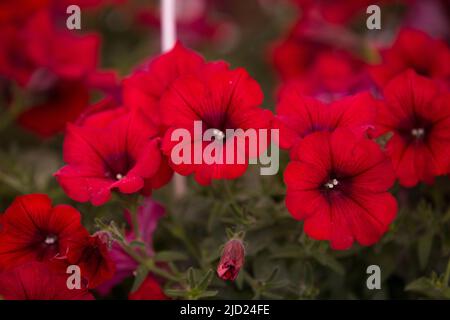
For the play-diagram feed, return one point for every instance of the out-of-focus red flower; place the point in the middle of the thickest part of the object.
(221, 99)
(325, 68)
(150, 289)
(148, 216)
(298, 116)
(36, 281)
(55, 107)
(18, 11)
(144, 88)
(14, 65)
(335, 11)
(417, 112)
(55, 69)
(292, 57)
(59, 51)
(84, 4)
(338, 12)
(333, 75)
(232, 260)
(415, 50)
(337, 183)
(33, 230)
(91, 255)
(119, 157)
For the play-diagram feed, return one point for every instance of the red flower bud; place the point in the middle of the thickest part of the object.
(232, 260)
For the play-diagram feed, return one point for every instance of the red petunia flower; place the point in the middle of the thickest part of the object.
(150, 289)
(106, 111)
(63, 103)
(337, 183)
(14, 64)
(298, 116)
(33, 230)
(232, 260)
(221, 99)
(415, 50)
(56, 71)
(36, 281)
(292, 56)
(418, 115)
(326, 68)
(18, 11)
(91, 254)
(123, 156)
(61, 52)
(144, 88)
(335, 11)
(334, 73)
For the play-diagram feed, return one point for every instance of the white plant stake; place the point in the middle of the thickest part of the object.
(168, 27)
(168, 38)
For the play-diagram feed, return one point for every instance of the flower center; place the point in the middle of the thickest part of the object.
(51, 239)
(418, 133)
(331, 184)
(117, 165)
(218, 134)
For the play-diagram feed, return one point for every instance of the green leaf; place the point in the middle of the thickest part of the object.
(208, 294)
(138, 244)
(229, 232)
(141, 274)
(206, 280)
(424, 246)
(428, 288)
(191, 278)
(175, 293)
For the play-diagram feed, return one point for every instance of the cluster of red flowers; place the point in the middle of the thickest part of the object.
(55, 70)
(38, 242)
(338, 177)
(127, 148)
(117, 147)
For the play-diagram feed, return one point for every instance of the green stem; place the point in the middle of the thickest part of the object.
(131, 203)
(132, 253)
(160, 272)
(447, 274)
(148, 262)
(11, 182)
(135, 222)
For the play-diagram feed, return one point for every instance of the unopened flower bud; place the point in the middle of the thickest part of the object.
(232, 260)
